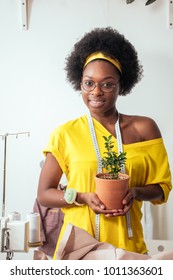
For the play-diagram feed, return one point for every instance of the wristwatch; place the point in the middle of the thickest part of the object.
(70, 197)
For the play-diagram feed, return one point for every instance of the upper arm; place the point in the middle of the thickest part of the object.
(50, 174)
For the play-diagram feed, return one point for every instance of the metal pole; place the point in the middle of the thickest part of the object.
(4, 175)
(4, 137)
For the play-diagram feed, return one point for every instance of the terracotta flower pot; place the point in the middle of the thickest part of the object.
(111, 192)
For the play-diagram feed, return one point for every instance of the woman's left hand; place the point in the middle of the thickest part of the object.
(127, 202)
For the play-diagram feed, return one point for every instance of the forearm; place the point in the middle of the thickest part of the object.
(148, 193)
(52, 198)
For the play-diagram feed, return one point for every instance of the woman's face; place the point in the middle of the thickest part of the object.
(106, 77)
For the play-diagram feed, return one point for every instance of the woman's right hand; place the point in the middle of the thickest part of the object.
(93, 201)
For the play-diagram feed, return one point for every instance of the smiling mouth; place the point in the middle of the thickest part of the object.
(95, 103)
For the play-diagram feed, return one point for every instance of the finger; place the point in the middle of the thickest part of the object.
(98, 204)
(119, 214)
(109, 215)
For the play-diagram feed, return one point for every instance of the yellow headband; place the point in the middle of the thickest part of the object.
(99, 55)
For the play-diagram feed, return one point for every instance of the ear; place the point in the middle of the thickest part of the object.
(121, 91)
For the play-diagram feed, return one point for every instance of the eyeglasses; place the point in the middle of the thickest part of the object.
(89, 85)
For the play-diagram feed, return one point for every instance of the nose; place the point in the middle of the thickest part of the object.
(97, 90)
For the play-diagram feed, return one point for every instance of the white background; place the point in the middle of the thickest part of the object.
(35, 97)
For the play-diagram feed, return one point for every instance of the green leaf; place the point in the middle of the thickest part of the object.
(109, 137)
(105, 138)
(112, 162)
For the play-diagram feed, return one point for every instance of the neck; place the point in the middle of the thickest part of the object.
(106, 118)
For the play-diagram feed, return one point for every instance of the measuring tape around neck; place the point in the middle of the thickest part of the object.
(99, 170)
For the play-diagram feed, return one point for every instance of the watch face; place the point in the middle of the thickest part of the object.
(70, 195)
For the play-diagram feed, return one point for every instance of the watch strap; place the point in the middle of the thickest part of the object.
(70, 196)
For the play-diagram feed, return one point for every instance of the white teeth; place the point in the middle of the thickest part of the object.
(96, 102)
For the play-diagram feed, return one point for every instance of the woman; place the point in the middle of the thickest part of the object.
(104, 65)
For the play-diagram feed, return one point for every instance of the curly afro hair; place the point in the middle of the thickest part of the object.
(113, 44)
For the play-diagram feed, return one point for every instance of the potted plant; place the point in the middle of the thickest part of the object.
(112, 185)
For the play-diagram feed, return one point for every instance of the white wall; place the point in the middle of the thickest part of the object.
(34, 94)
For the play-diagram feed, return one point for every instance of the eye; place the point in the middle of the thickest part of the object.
(88, 83)
(107, 85)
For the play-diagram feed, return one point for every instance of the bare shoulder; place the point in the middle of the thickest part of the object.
(145, 127)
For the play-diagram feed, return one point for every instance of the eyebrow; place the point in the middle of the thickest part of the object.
(108, 77)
